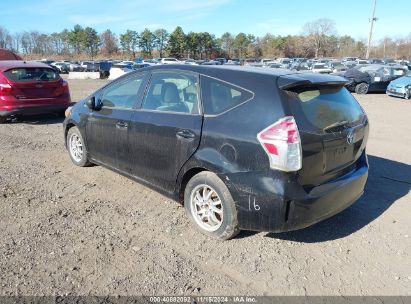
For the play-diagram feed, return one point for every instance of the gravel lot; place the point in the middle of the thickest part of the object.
(80, 231)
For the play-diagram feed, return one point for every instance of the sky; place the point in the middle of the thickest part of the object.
(256, 17)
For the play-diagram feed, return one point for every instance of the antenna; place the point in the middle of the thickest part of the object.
(372, 20)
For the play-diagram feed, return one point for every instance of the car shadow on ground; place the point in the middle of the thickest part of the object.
(388, 181)
(41, 119)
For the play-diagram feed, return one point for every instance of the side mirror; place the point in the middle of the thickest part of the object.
(94, 104)
(91, 103)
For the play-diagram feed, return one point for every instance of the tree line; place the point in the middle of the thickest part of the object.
(317, 39)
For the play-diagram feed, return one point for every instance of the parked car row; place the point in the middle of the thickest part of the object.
(363, 76)
(104, 67)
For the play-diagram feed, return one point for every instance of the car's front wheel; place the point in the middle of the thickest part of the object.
(408, 94)
(210, 206)
(77, 148)
(3, 119)
(362, 88)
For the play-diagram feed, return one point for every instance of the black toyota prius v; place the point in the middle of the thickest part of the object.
(241, 148)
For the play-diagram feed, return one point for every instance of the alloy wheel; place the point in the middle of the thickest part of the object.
(206, 207)
(76, 147)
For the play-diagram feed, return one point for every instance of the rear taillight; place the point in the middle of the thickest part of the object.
(5, 89)
(63, 89)
(281, 141)
(65, 86)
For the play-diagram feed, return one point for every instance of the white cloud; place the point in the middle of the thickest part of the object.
(88, 20)
(278, 27)
(193, 5)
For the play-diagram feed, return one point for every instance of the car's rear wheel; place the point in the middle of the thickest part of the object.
(3, 119)
(362, 88)
(77, 148)
(210, 206)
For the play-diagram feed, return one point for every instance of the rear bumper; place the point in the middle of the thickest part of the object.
(325, 201)
(279, 203)
(35, 109)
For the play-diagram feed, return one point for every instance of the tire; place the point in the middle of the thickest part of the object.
(222, 224)
(3, 119)
(407, 94)
(77, 148)
(361, 88)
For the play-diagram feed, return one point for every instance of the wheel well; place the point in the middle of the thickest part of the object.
(187, 176)
(68, 127)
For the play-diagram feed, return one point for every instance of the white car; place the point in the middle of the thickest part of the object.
(190, 62)
(118, 70)
(321, 68)
(169, 61)
(150, 62)
(266, 62)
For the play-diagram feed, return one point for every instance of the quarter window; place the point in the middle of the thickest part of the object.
(123, 94)
(220, 96)
(172, 92)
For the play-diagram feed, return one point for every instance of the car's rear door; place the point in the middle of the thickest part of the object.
(166, 130)
(333, 130)
(108, 127)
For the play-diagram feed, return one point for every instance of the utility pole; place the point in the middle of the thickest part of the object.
(373, 19)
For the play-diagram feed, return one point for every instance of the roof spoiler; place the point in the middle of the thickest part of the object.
(305, 79)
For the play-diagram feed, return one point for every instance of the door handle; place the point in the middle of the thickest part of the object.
(185, 134)
(121, 125)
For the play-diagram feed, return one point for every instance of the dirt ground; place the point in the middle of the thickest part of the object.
(89, 231)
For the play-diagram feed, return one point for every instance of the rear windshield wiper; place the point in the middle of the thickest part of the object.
(336, 124)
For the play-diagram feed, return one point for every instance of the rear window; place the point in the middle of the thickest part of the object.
(325, 106)
(219, 96)
(398, 72)
(31, 74)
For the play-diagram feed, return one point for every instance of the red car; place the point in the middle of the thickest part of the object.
(31, 88)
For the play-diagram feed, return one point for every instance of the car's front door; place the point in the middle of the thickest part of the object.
(166, 130)
(107, 128)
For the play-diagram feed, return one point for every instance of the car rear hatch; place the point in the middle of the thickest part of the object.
(332, 125)
(34, 83)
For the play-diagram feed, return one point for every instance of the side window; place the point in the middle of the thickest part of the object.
(219, 96)
(123, 94)
(172, 92)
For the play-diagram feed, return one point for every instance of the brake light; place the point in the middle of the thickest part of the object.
(63, 89)
(5, 87)
(65, 86)
(281, 141)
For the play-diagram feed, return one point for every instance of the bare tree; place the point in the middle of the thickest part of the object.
(4, 38)
(318, 33)
(227, 44)
(109, 43)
